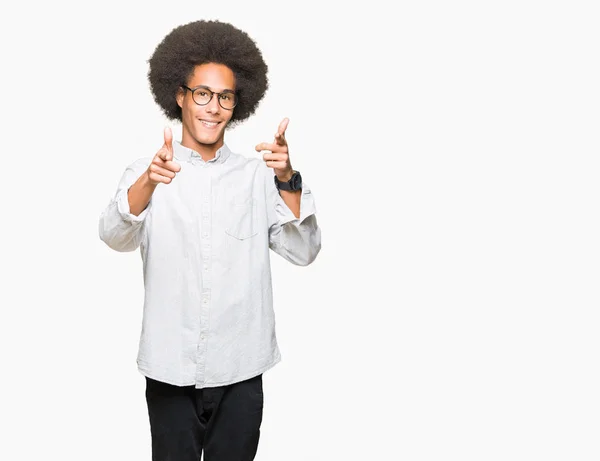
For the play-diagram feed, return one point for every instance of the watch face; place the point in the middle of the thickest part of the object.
(296, 181)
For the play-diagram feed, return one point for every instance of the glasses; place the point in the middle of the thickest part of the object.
(203, 95)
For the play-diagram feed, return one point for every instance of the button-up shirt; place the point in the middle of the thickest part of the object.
(204, 239)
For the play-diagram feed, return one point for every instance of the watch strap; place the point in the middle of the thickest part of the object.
(288, 185)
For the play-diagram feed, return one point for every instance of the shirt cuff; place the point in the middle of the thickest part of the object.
(307, 207)
(125, 211)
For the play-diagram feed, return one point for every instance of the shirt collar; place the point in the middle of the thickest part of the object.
(189, 155)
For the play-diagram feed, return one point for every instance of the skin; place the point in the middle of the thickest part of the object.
(205, 140)
(204, 137)
(277, 157)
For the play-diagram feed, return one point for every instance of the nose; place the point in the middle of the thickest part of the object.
(213, 106)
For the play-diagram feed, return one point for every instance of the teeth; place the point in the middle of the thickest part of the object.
(208, 124)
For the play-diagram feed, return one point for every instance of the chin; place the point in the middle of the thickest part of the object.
(203, 138)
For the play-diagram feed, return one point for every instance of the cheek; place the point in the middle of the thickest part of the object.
(229, 115)
(190, 116)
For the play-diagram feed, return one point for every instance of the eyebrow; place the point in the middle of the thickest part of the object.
(226, 90)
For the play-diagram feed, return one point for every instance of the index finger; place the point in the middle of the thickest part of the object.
(164, 154)
(168, 143)
(168, 134)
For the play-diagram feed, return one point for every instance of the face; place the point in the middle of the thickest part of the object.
(203, 127)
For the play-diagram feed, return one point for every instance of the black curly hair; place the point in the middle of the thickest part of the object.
(199, 42)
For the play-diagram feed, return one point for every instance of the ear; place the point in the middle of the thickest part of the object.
(179, 97)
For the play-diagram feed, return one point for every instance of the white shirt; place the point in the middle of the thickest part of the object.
(204, 240)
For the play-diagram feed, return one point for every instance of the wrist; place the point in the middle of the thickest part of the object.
(285, 177)
(291, 184)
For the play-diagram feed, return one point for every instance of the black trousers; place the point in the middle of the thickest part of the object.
(223, 421)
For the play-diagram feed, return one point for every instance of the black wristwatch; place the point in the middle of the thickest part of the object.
(295, 182)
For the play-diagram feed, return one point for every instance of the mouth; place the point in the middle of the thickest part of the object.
(210, 124)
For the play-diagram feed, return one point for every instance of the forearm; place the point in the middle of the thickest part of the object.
(294, 233)
(292, 200)
(139, 194)
(119, 228)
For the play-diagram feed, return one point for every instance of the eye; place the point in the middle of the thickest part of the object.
(226, 97)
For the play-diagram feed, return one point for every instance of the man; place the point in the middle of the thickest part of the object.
(204, 219)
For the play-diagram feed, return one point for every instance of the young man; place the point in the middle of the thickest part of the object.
(204, 219)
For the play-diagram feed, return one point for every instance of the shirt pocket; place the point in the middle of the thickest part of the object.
(241, 221)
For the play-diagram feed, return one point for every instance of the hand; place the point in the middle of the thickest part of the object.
(277, 156)
(163, 168)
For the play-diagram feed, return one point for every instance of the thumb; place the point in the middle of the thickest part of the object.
(283, 126)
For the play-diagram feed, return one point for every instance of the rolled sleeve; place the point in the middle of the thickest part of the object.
(118, 227)
(307, 207)
(124, 210)
(298, 240)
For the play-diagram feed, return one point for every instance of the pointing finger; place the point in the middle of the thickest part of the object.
(154, 168)
(168, 134)
(163, 154)
(168, 137)
(172, 166)
(263, 146)
(270, 146)
(168, 164)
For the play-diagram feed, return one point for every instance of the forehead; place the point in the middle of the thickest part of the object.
(215, 76)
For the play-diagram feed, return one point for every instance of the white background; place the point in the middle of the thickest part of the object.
(452, 148)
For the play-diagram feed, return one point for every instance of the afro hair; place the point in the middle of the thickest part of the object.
(199, 42)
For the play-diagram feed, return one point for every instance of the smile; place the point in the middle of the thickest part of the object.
(209, 124)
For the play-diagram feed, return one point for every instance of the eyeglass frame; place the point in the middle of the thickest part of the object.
(212, 93)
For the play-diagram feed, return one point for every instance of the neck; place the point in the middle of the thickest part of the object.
(206, 151)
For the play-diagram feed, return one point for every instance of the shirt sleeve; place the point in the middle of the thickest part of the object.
(118, 227)
(298, 240)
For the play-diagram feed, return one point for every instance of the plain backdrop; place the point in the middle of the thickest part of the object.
(452, 149)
